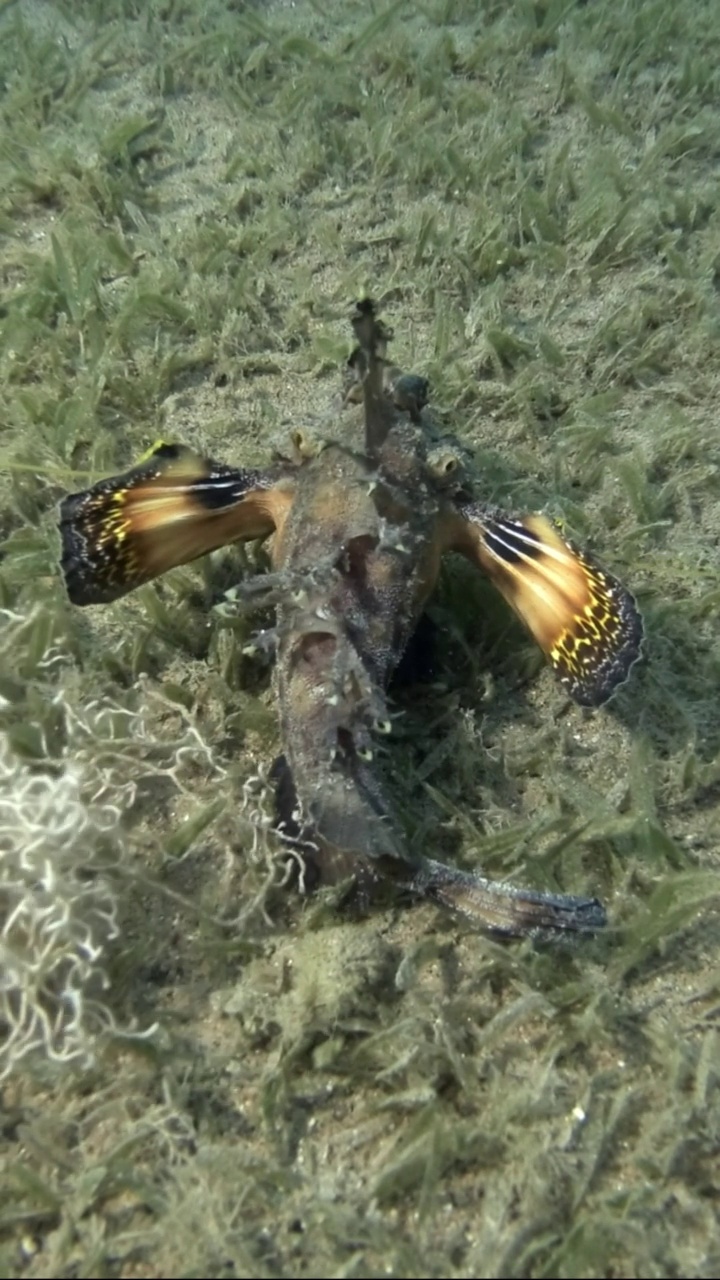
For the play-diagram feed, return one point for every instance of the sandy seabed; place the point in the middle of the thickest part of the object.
(191, 197)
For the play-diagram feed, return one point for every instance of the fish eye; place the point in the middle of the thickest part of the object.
(409, 391)
(303, 444)
(444, 464)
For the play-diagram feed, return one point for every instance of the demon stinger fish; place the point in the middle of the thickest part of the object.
(359, 528)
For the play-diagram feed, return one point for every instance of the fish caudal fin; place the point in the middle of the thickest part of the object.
(504, 909)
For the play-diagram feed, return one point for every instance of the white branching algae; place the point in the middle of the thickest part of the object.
(58, 911)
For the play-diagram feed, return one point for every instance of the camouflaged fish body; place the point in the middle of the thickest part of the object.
(365, 558)
(359, 530)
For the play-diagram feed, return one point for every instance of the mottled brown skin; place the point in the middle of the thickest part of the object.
(360, 521)
(368, 558)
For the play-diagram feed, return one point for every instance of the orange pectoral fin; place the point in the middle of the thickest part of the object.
(171, 508)
(586, 622)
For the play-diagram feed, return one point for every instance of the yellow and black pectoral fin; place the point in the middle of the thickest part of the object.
(586, 622)
(169, 509)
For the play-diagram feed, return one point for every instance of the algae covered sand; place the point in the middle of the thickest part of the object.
(218, 1076)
